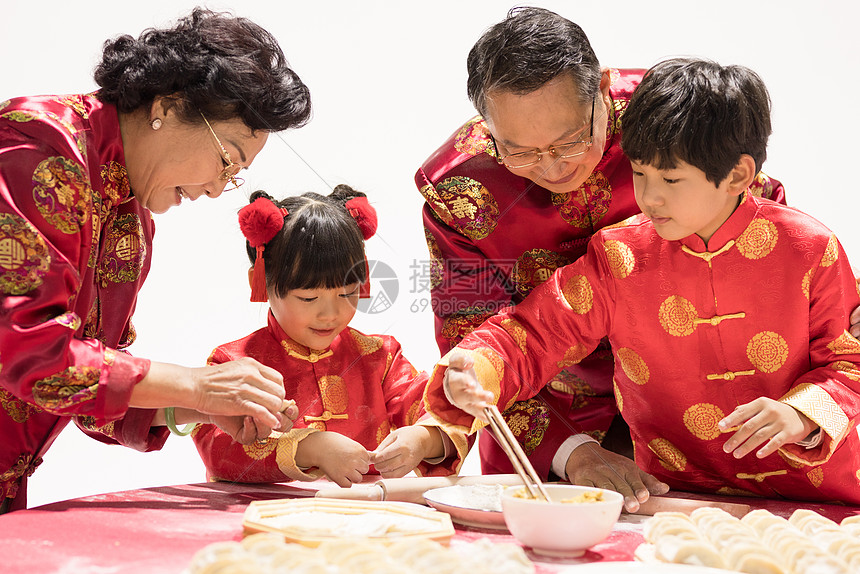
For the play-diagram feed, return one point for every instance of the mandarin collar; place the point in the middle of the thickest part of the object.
(730, 230)
(293, 348)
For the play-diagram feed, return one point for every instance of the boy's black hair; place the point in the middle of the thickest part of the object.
(320, 245)
(699, 112)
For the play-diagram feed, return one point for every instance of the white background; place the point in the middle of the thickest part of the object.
(387, 81)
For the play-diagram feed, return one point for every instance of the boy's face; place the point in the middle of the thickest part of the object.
(314, 317)
(681, 201)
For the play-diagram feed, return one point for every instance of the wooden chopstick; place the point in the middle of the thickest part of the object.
(515, 453)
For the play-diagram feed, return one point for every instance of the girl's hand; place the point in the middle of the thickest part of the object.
(241, 428)
(762, 421)
(343, 460)
(404, 448)
(592, 465)
(462, 388)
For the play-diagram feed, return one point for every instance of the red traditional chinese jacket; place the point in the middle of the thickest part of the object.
(361, 387)
(75, 248)
(494, 236)
(697, 330)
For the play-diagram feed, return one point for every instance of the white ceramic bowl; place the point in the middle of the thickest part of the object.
(560, 528)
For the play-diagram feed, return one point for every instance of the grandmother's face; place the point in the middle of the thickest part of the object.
(181, 161)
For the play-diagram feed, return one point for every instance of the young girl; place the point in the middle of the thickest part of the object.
(359, 399)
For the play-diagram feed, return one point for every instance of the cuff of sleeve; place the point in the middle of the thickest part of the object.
(813, 440)
(559, 461)
(122, 373)
(285, 456)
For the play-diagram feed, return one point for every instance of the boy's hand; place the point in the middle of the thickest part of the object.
(762, 421)
(343, 460)
(404, 448)
(592, 465)
(462, 389)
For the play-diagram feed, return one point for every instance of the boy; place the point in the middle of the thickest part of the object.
(701, 297)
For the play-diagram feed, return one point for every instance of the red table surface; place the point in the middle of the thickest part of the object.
(158, 530)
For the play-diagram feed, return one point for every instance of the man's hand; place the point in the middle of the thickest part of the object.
(591, 465)
(764, 421)
(462, 388)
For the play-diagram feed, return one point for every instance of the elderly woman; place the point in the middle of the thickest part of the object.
(180, 113)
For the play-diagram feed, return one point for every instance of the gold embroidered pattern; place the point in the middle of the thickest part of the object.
(62, 194)
(534, 267)
(633, 365)
(762, 186)
(382, 431)
(262, 449)
(412, 413)
(818, 405)
(437, 265)
(334, 394)
(620, 258)
(107, 429)
(831, 254)
(69, 320)
(760, 476)
(18, 410)
(71, 387)
(586, 205)
(24, 256)
(845, 344)
(669, 456)
(124, 249)
(849, 369)
(455, 327)
(806, 281)
(759, 239)
(677, 316)
(767, 351)
(578, 294)
(816, 476)
(701, 420)
(287, 444)
(619, 400)
(517, 333)
(473, 208)
(366, 345)
(115, 180)
(573, 356)
(438, 207)
(528, 421)
(474, 138)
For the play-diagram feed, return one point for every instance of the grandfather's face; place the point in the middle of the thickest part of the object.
(550, 116)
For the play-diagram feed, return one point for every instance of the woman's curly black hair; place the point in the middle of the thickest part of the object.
(216, 63)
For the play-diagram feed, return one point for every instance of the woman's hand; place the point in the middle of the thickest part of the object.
(343, 460)
(404, 448)
(763, 421)
(462, 388)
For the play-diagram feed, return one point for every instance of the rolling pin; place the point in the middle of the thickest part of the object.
(687, 505)
(412, 489)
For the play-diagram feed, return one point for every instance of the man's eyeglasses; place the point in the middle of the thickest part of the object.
(560, 151)
(231, 169)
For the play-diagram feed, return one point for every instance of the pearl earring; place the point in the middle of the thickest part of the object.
(156, 124)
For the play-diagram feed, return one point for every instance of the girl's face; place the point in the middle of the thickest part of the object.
(314, 317)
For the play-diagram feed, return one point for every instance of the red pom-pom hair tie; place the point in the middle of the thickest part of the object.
(260, 221)
(365, 216)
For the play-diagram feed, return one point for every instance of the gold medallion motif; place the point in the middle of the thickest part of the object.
(473, 208)
(75, 102)
(437, 264)
(668, 454)
(412, 413)
(849, 369)
(620, 258)
(115, 183)
(70, 387)
(619, 400)
(758, 239)
(62, 194)
(816, 476)
(517, 333)
(334, 394)
(534, 267)
(528, 420)
(318, 425)
(259, 450)
(474, 138)
(845, 344)
(366, 345)
(573, 356)
(455, 327)
(806, 281)
(585, 206)
(382, 431)
(678, 316)
(18, 410)
(701, 420)
(578, 294)
(125, 251)
(831, 253)
(767, 351)
(24, 256)
(633, 365)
